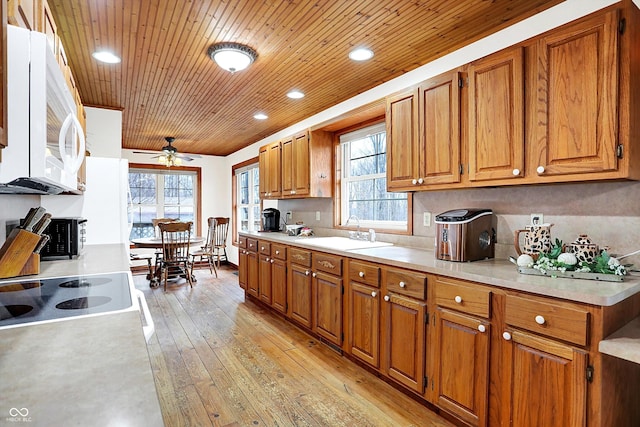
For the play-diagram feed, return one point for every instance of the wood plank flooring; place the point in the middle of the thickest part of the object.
(219, 360)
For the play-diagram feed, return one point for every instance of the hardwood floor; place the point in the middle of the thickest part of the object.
(222, 361)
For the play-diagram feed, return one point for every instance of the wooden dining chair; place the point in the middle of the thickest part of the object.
(220, 238)
(156, 232)
(206, 251)
(176, 239)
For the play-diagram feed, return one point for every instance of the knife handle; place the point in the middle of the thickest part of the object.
(42, 243)
(42, 224)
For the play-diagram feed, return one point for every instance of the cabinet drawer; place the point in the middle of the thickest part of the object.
(407, 283)
(300, 257)
(362, 272)
(242, 242)
(328, 263)
(548, 318)
(279, 251)
(264, 248)
(252, 245)
(466, 297)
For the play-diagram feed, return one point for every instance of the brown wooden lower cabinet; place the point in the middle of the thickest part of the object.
(486, 355)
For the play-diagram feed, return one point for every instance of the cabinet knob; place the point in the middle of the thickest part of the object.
(482, 328)
(516, 172)
(506, 336)
(540, 170)
(540, 320)
(420, 180)
(250, 245)
(414, 181)
(374, 293)
(306, 273)
(387, 297)
(402, 284)
(361, 274)
(262, 248)
(277, 252)
(314, 275)
(267, 259)
(272, 261)
(458, 299)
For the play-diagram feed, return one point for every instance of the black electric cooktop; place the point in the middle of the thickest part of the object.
(36, 300)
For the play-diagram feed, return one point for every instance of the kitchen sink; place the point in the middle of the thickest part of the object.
(340, 243)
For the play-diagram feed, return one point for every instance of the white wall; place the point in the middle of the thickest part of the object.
(104, 132)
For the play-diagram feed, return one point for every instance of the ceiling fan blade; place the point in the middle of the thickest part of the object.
(187, 156)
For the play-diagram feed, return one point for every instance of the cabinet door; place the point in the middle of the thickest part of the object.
(403, 149)
(274, 168)
(461, 375)
(253, 286)
(22, 13)
(288, 165)
(300, 295)
(364, 323)
(327, 305)
(243, 268)
(555, 379)
(577, 109)
(279, 285)
(496, 116)
(263, 168)
(440, 130)
(301, 165)
(404, 329)
(265, 279)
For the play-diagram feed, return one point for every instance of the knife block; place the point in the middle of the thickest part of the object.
(16, 255)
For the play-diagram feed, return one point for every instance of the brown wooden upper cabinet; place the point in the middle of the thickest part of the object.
(301, 166)
(577, 98)
(496, 116)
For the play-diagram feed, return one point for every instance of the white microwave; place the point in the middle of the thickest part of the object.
(46, 142)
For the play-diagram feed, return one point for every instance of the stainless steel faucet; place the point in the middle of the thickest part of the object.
(357, 225)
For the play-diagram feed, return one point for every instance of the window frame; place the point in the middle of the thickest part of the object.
(337, 199)
(234, 195)
(153, 168)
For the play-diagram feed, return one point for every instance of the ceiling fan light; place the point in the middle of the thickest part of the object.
(260, 116)
(232, 56)
(295, 94)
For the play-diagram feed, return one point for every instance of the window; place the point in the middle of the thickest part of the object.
(162, 193)
(246, 197)
(363, 182)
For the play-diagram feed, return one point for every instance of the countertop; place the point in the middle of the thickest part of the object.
(86, 371)
(496, 272)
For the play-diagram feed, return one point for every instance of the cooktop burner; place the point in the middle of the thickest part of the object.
(32, 300)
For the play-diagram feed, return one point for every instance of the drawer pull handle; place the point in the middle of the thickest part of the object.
(361, 274)
(540, 320)
(414, 181)
(262, 248)
(373, 294)
(306, 273)
(458, 299)
(277, 252)
(506, 336)
(482, 328)
(387, 297)
(420, 180)
(314, 275)
(402, 285)
(516, 172)
(540, 170)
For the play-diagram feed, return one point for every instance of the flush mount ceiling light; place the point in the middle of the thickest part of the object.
(106, 56)
(260, 116)
(361, 54)
(232, 56)
(295, 94)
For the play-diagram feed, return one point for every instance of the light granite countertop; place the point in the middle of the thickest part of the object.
(496, 272)
(84, 371)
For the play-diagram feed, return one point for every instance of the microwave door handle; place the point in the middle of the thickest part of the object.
(77, 157)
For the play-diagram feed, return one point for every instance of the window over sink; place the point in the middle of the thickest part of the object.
(363, 182)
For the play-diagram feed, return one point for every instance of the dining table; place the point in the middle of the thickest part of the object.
(156, 243)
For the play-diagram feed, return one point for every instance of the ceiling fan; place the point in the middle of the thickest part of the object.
(170, 155)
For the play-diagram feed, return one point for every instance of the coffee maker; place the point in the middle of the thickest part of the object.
(271, 219)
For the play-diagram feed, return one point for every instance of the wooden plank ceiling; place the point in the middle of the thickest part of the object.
(166, 84)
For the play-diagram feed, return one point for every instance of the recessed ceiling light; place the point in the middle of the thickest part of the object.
(105, 56)
(260, 116)
(361, 54)
(295, 94)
